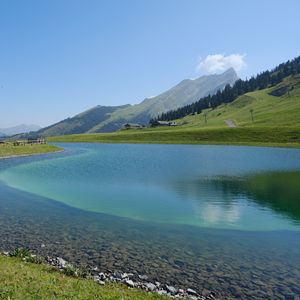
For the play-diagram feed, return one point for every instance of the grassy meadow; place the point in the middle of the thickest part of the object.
(267, 109)
(264, 136)
(9, 149)
(22, 280)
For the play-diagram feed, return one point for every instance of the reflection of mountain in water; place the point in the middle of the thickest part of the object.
(279, 191)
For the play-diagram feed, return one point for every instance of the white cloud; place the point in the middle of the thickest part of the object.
(218, 63)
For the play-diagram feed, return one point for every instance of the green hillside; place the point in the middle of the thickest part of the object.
(276, 122)
(276, 106)
(82, 122)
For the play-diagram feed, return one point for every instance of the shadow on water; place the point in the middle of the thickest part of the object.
(278, 191)
(230, 263)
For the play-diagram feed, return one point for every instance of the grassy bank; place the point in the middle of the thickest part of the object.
(7, 150)
(23, 280)
(263, 136)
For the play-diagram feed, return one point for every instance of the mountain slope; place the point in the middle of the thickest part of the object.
(82, 122)
(108, 119)
(275, 106)
(186, 92)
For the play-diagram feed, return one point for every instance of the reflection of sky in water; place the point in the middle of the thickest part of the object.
(213, 214)
(193, 185)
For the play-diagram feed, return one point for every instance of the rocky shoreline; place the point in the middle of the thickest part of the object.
(131, 280)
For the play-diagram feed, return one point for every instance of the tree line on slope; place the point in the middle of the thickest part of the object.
(230, 93)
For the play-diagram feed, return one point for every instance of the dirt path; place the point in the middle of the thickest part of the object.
(230, 123)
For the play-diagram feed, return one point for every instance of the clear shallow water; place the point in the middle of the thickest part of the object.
(206, 186)
(242, 203)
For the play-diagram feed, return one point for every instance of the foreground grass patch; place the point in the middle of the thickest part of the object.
(7, 150)
(23, 280)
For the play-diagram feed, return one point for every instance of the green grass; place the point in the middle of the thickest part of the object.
(276, 123)
(11, 150)
(264, 136)
(21, 280)
(268, 110)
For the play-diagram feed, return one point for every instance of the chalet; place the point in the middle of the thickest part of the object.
(164, 123)
(131, 125)
(36, 141)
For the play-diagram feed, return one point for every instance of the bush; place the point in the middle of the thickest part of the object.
(20, 252)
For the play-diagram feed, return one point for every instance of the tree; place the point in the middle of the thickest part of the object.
(251, 113)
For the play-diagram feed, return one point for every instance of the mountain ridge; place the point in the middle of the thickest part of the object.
(111, 118)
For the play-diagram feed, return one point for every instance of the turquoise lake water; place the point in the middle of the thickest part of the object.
(206, 186)
(214, 218)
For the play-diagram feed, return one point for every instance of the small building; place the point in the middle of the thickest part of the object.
(164, 123)
(36, 141)
(131, 126)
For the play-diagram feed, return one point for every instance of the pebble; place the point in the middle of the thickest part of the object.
(130, 283)
(171, 289)
(61, 262)
(150, 286)
(143, 277)
(191, 292)
(102, 276)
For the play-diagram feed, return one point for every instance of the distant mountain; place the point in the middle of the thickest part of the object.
(186, 92)
(108, 119)
(82, 122)
(18, 129)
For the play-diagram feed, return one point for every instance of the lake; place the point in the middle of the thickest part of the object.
(214, 218)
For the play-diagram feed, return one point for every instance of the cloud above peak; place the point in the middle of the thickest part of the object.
(218, 63)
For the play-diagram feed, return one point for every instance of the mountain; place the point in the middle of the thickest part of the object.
(108, 119)
(82, 122)
(266, 79)
(186, 92)
(18, 129)
(275, 107)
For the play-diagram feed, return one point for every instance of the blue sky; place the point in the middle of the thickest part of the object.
(60, 57)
